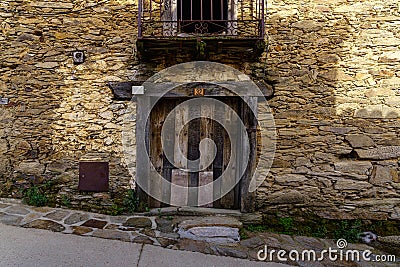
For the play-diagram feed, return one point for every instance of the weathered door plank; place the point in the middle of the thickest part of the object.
(227, 201)
(180, 177)
(156, 153)
(205, 195)
(193, 153)
(206, 159)
(179, 197)
(169, 135)
(247, 198)
(218, 160)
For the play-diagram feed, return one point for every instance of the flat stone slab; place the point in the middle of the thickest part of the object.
(52, 5)
(211, 221)
(117, 219)
(347, 184)
(75, 218)
(3, 206)
(57, 215)
(270, 241)
(139, 222)
(143, 239)
(93, 223)
(17, 210)
(357, 167)
(253, 242)
(251, 218)
(385, 152)
(112, 234)
(214, 231)
(213, 234)
(165, 242)
(112, 226)
(164, 225)
(81, 230)
(359, 140)
(206, 211)
(164, 211)
(193, 245)
(148, 232)
(10, 219)
(41, 209)
(281, 241)
(46, 225)
(31, 217)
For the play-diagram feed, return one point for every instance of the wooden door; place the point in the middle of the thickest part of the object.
(188, 141)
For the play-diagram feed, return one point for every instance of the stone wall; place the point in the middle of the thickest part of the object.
(60, 112)
(335, 69)
(332, 64)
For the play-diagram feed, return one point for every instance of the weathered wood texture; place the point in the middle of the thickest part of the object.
(229, 154)
(123, 90)
(249, 119)
(193, 153)
(143, 161)
(173, 51)
(168, 145)
(156, 152)
(185, 145)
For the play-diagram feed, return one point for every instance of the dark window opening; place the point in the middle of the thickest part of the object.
(202, 16)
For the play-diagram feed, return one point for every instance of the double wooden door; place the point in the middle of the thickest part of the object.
(185, 140)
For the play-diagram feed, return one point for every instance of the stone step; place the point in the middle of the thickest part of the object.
(245, 218)
(211, 221)
(213, 229)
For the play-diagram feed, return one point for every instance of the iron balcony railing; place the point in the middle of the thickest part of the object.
(191, 18)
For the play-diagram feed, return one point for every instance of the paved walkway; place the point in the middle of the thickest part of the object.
(151, 239)
(34, 247)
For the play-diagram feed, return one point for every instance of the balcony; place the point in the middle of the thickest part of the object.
(200, 29)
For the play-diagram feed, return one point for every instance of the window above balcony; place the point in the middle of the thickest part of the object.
(230, 19)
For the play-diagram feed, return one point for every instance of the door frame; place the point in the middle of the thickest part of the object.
(180, 81)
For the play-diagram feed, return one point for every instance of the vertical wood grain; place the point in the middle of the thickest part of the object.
(193, 152)
(156, 153)
(169, 131)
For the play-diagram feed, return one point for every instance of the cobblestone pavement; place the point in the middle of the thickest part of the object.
(213, 234)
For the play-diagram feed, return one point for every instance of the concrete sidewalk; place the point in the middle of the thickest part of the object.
(33, 247)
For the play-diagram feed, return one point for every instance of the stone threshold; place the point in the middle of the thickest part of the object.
(245, 218)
